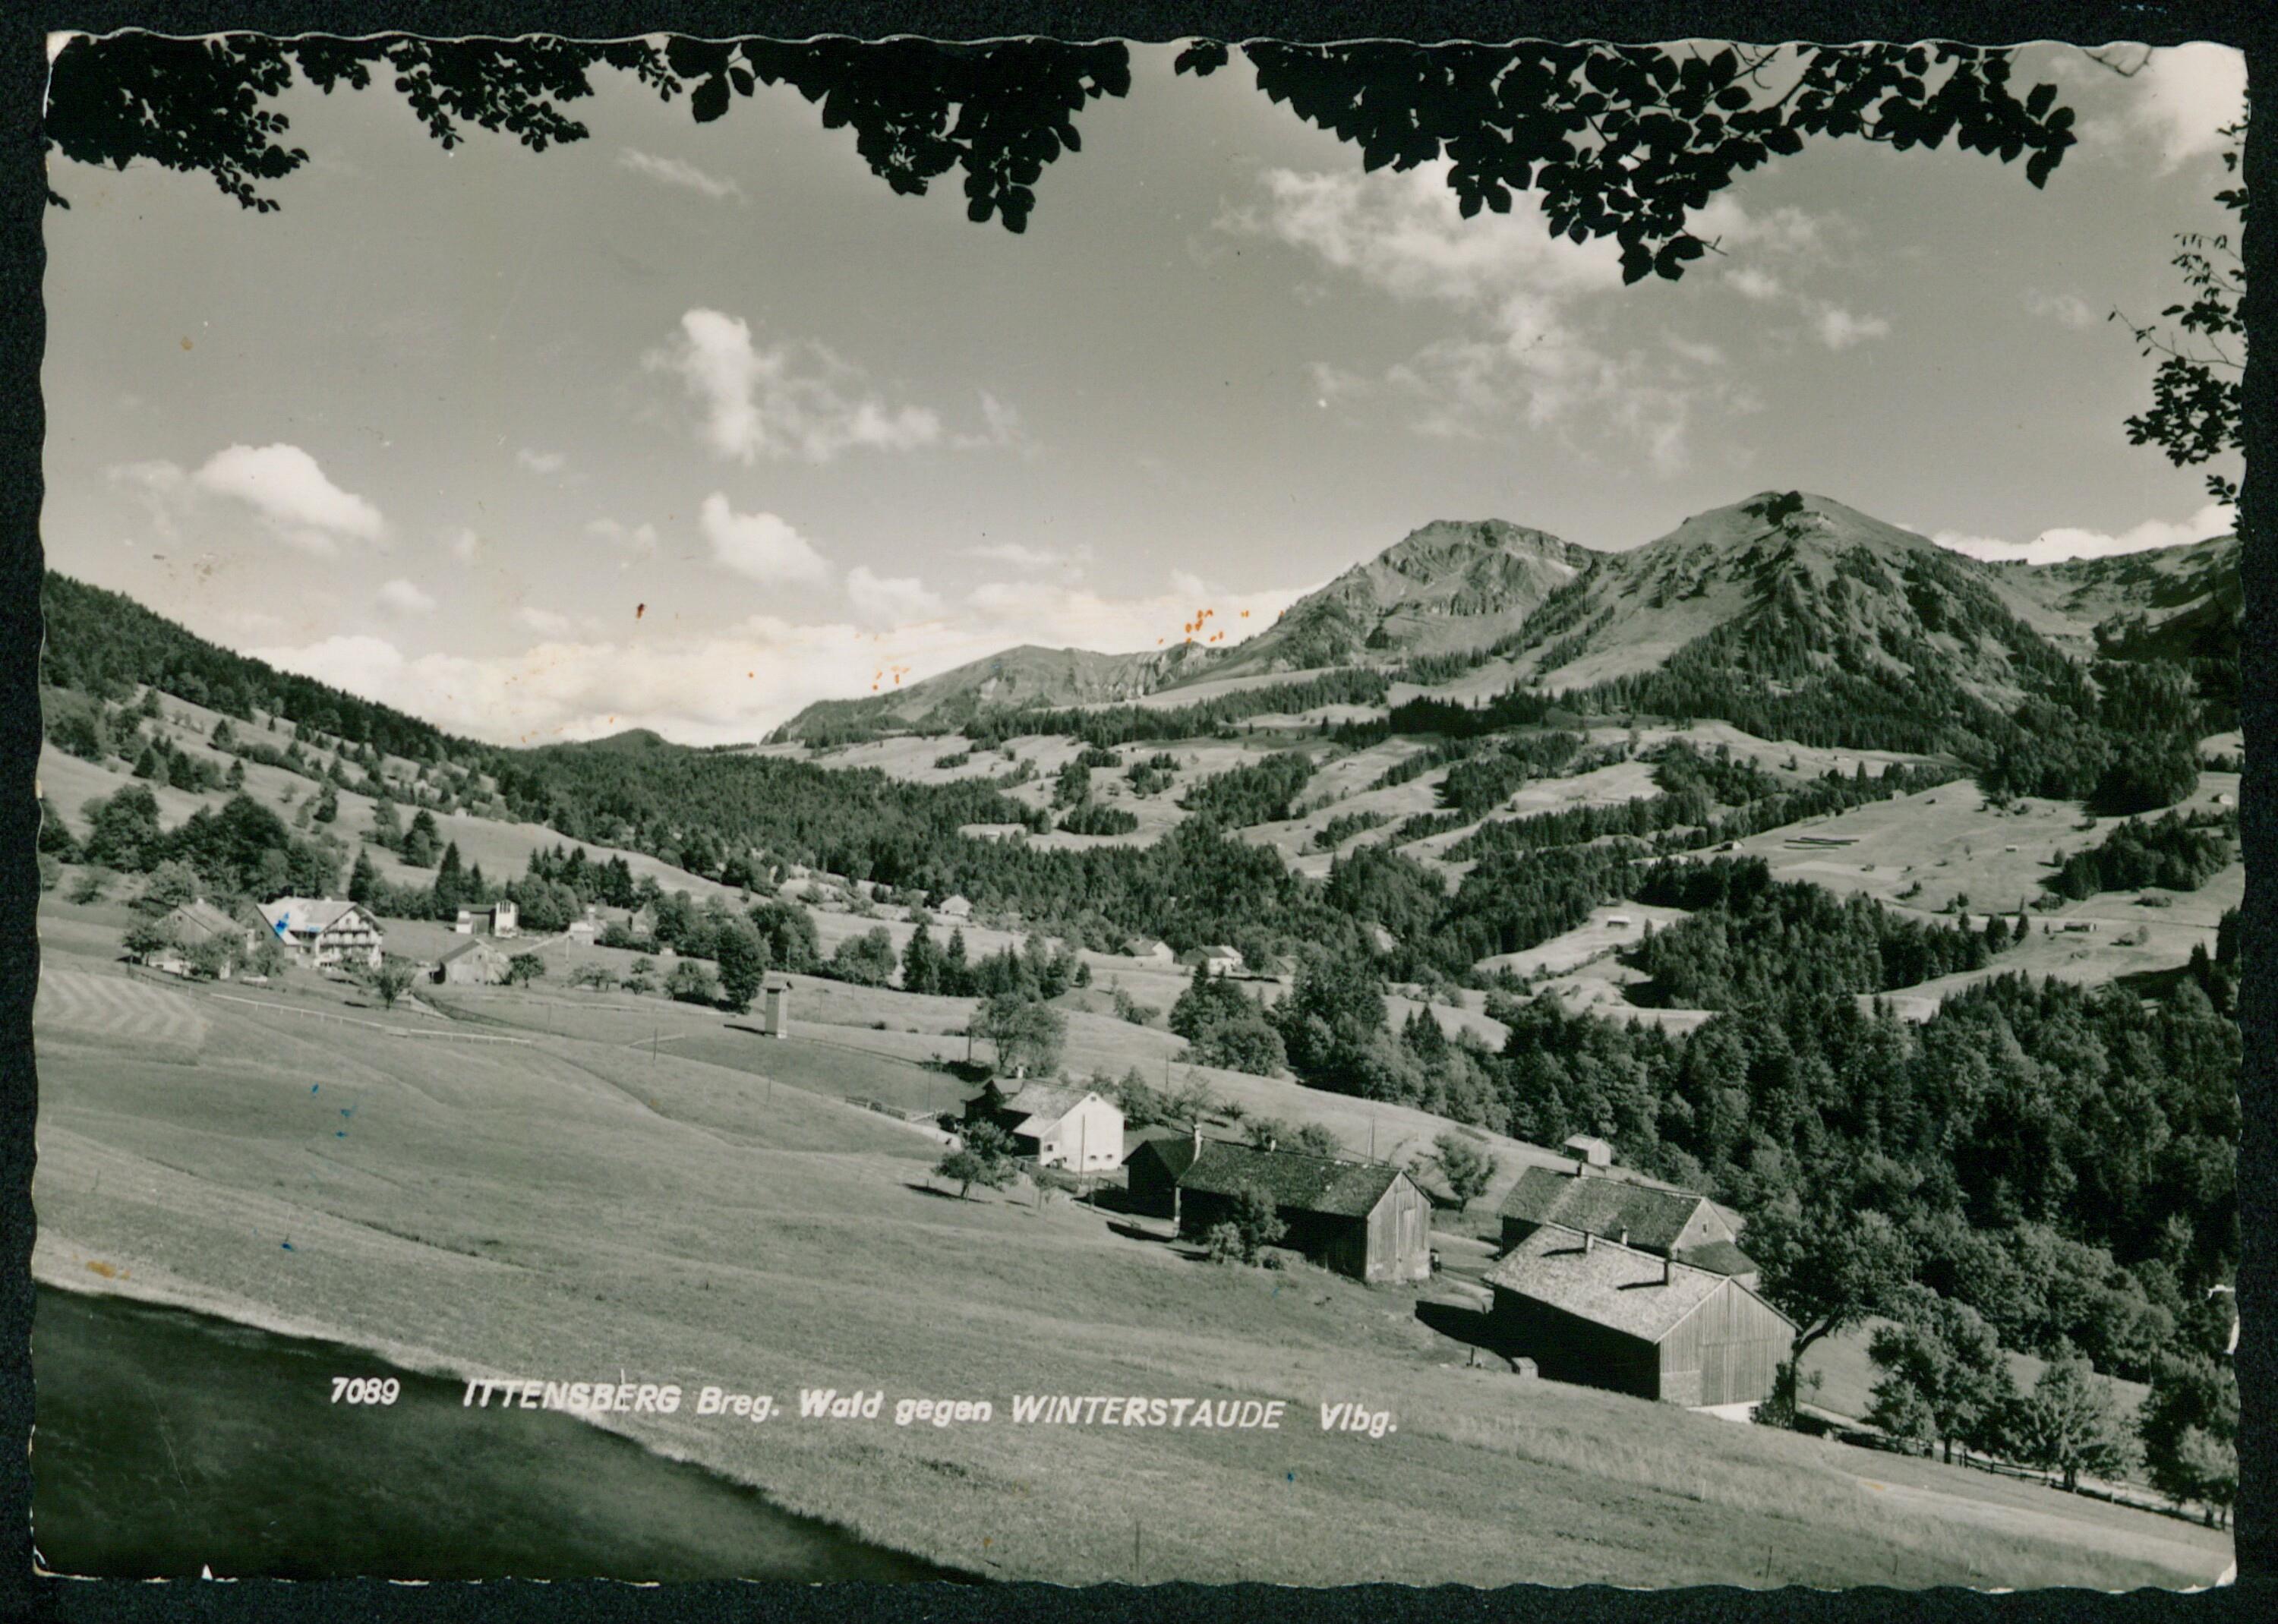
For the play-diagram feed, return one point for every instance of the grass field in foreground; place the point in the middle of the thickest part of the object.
(571, 1207)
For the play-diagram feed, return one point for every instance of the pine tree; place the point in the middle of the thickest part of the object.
(146, 765)
(450, 883)
(363, 877)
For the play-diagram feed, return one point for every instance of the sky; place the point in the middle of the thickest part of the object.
(685, 426)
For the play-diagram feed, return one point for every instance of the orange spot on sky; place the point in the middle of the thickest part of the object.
(639, 609)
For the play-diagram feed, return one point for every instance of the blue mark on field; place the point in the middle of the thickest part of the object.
(286, 1244)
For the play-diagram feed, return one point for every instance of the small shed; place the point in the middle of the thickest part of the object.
(775, 1007)
(960, 908)
(1596, 1312)
(1589, 1149)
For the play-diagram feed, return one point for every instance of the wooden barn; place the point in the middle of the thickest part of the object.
(1668, 1222)
(1360, 1218)
(1153, 1171)
(1604, 1314)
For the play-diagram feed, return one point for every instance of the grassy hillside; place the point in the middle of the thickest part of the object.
(543, 1207)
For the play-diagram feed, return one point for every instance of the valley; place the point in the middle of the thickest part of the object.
(1797, 862)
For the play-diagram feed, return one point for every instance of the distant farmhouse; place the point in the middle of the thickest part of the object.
(1363, 1219)
(1594, 1311)
(1150, 951)
(323, 931)
(190, 927)
(1057, 1127)
(499, 918)
(473, 963)
(958, 908)
(1217, 960)
(1665, 1223)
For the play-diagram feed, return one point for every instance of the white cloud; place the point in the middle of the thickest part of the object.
(2067, 309)
(1546, 346)
(282, 485)
(1018, 554)
(464, 545)
(1752, 283)
(758, 545)
(2066, 542)
(734, 685)
(2184, 96)
(889, 600)
(162, 487)
(541, 461)
(679, 172)
(796, 399)
(556, 627)
(640, 539)
(401, 597)
(1838, 329)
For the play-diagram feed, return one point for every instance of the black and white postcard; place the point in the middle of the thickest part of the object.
(1103, 811)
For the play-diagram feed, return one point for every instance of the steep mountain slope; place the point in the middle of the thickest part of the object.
(1023, 677)
(1449, 587)
(1800, 574)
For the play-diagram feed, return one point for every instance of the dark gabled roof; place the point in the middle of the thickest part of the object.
(473, 944)
(1616, 1287)
(1176, 1154)
(1599, 1205)
(1297, 1182)
(1721, 1256)
(201, 921)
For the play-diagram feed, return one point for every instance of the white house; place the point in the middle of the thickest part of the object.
(1059, 1126)
(324, 930)
(1153, 952)
(958, 908)
(583, 930)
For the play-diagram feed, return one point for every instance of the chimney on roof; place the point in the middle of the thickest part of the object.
(1625, 1237)
(1589, 1241)
(1665, 1267)
(1198, 1136)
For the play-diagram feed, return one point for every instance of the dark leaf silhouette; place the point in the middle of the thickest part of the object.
(1620, 142)
(2196, 393)
(1628, 142)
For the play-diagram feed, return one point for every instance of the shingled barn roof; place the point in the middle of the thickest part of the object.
(1599, 1205)
(1297, 1183)
(1608, 1284)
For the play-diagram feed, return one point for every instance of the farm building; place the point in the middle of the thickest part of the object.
(499, 918)
(1666, 1222)
(583, 930)
(955, 908)
(193, 925)
(1365, 1219)
(323, 930)
(1605, 1315)
(642, 921)
(473, 963)
(1153, 1171)
(1154, 952)
(1219, 960)
(1596, 1152)
(1057, 1127)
